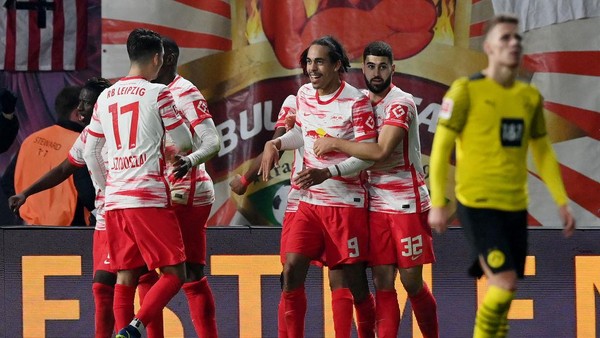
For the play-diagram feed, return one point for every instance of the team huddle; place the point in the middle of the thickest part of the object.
(358, 197)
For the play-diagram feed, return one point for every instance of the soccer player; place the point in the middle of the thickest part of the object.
(400, 238)
(131, 119)
(493, 118)
(104, 277)
(192, 192)
(331, 220)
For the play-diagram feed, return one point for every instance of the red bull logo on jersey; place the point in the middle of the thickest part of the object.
(317, 133)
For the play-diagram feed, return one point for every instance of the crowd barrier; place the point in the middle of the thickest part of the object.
(46, 275)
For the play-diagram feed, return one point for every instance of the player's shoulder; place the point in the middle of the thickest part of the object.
(289, 101)
(397, 94)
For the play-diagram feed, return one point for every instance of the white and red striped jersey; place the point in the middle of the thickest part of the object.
(75, 156)
(345, 114)
(133, 116)
(288, 109)
(397, 184)
(196, 187)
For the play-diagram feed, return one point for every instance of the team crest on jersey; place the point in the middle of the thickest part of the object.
(495, 258)
(201, 107)
(446, 110)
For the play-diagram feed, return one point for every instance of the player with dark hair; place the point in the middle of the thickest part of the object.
(131, 119)
(331, 220)
(400, 238)
(192, 192)
(104, 277)
(494, 119)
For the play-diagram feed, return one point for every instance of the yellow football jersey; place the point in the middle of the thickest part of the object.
(494, 125)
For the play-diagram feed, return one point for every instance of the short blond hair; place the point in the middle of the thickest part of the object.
(498, 19)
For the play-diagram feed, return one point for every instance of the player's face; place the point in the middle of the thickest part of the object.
(322, 72)
(378, 73)
(503, 45)
(85, 108)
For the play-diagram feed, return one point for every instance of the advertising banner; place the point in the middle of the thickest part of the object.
(46, 286)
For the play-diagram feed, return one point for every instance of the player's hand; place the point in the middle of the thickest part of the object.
(270, 159)
(324, 145)
(568, 221)
(290, 121)
(16, 201)
(182, 166)
(438, 219)
(237, 186)
(311, 176)
(8, 100)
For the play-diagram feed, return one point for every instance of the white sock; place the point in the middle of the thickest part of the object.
(138, 325)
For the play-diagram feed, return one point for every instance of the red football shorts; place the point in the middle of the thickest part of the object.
(192, 221)
(338, 235)
(143, 236)
(399, 239)
(288, 218)
(100, 252)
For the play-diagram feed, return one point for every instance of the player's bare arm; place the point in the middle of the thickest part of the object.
(311, 176)
(238, 184)
(51, 179)
(270, 158)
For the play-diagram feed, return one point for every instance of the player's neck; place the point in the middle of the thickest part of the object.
(503, 75)
(330, 89)
(139, 71)
(376, 97)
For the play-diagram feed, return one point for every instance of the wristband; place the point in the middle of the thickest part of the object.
(339, 173)
(244, 181)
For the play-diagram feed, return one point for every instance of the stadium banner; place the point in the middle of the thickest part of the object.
(244, 57)
(46, 286)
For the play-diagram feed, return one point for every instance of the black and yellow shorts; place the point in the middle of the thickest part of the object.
(500, 237)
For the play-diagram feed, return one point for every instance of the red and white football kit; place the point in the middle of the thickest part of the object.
(131, 118)
(332, 216)
(192, 196)
(101, 258)
(398, 197)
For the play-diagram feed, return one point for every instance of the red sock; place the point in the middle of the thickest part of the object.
(202, 308)
(342, 305)
(387, 313)
(425, 309)
(365, 317)
(104, 318)
(158, 297)
(295, 311)
(123, 305)
(154, 329)
(281, 327)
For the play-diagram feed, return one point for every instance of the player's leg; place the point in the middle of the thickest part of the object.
(155, 329)
(413, 238)
(103, 289)
(304, 242)
(103, 286)
(382, 258)
(192, 221)
(499, 240)
(165, 252)
(342, 303)
(294, 295)
(421, 300)
(387, 310)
